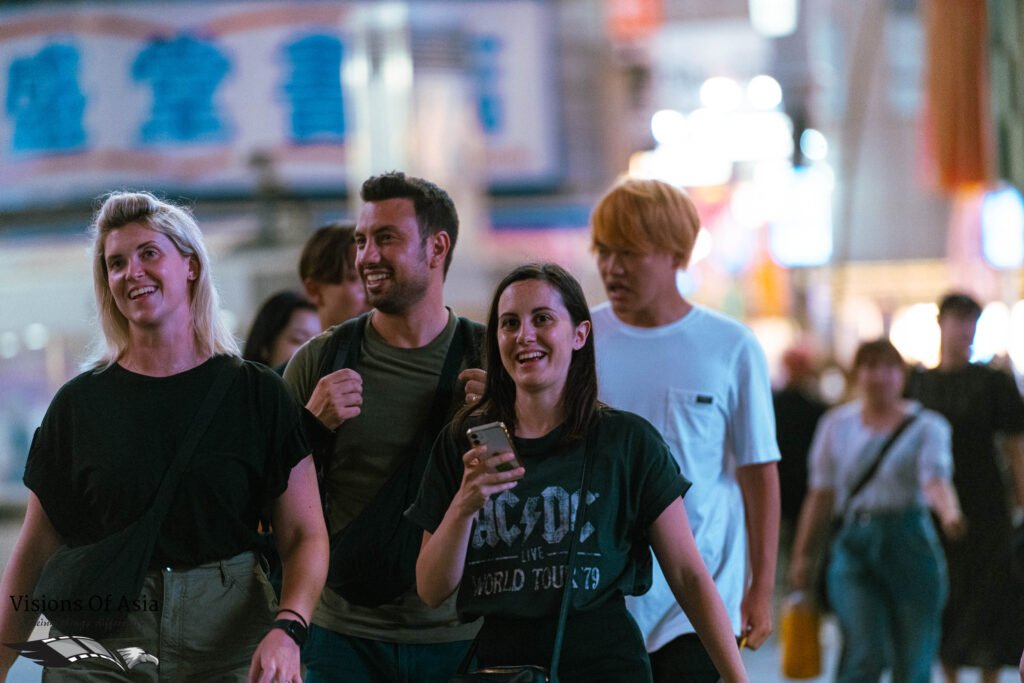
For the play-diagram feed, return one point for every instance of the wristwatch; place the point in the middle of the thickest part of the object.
(295, 630)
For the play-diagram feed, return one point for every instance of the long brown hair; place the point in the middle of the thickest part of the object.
(499, 398)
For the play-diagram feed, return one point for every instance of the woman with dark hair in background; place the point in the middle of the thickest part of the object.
(886, 578)
(284, 322)
(503, 535)
(110, 436)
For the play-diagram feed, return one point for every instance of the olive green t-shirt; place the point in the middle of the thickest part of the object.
(399, 387)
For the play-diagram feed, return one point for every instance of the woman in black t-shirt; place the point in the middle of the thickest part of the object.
(501, 537)
(108, 437)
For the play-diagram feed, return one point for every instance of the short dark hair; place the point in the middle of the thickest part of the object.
(959, 304)
(580, 394)
(435, 211)
(272, 317)
(329, 253)
(877, 352)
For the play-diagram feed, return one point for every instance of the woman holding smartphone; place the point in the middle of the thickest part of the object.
(501, 536)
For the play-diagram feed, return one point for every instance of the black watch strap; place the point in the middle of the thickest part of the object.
(295, 630)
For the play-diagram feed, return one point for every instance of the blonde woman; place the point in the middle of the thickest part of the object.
(111, 432)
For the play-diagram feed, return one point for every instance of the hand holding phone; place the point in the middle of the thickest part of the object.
(495, 436)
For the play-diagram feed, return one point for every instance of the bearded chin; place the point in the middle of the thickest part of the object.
(397, 301)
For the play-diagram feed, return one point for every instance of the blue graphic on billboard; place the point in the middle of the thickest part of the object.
(45, 102)
(486, 70)
(313, 88)
(184, 74)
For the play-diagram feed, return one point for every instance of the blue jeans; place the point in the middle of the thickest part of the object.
(887, 584)
(332, 657)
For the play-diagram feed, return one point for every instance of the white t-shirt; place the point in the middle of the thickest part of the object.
(703, 382)
(844, 448)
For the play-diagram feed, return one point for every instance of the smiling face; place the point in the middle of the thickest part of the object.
(149, 279)
(536, 336)
(391, 257)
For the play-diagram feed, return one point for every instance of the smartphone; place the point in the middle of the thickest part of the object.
(495, 436)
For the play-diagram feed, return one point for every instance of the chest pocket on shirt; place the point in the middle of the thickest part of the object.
(695, 417)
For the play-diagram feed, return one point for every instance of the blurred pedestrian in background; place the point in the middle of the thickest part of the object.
(327, 269)
(110, 436)
(283, 323)
(797, 411)
(886, 577)
(984, 621)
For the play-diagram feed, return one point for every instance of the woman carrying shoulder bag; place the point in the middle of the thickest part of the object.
(502, 536)
(110, 452)
(886, 579)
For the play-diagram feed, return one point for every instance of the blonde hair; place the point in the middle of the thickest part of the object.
(122, 208)
(647, 216)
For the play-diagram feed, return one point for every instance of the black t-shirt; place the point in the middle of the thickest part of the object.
(515, 564)
(978, 401)
(108, 437)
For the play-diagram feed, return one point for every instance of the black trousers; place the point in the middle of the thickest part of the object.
(683, 659)
(602, 645)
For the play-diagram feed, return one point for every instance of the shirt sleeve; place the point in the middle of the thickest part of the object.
(441, 481)
(751, 425)
(936, 457)
(283, 415)
(822, 472)
(1008, 404)
(301, 372)
(48, 471)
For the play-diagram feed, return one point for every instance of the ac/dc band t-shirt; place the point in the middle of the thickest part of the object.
(515, 564)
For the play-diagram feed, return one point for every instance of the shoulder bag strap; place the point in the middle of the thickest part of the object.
(870, 472)
(575, 529)
(169, 485)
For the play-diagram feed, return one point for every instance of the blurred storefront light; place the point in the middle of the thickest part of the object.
(702, 246)
(764, 92)
(992, 337)
(36, 336)
(774, 18)
(9, 345)
(682, 166)
(1002, 228)
(813, 145)
(915, 333)
(801, 233)
(1016, 346)
(720, 93)
(760, 135)
(668, 127)
(859, 319)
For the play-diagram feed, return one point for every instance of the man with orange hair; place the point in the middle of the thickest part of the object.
(702, 380)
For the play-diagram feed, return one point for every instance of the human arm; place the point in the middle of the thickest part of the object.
(442, 557)
(811, 531)
(301, 538)
(694, 589)
(336, 398)
(942, 499)
(759, 485)
(37, 541)
(1013, 447)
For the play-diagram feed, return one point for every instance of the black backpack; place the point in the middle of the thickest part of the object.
(373, 558)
